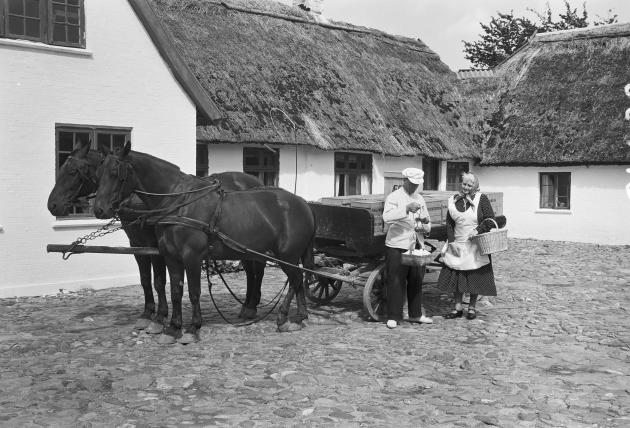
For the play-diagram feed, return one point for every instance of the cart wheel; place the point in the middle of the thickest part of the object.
(373, 293)
(322, 290)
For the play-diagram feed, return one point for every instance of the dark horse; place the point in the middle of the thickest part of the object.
(196, 221)
(77, 178)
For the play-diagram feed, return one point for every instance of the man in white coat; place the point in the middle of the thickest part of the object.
(408, 218)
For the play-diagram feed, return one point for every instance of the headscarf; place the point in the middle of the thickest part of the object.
(468, 198)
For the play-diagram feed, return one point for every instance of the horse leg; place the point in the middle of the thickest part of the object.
(159, 282)
(254, 271)
(193, 274)
(284, 325)
(174, 330)
(144, 266)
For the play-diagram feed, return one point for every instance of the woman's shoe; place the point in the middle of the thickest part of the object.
(472, 314)
(454, 314)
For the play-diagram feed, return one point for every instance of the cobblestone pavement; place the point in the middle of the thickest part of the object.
(551, 350)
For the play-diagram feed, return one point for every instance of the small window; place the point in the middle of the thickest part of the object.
(555, 190)
(454, 171)
(431, 168)
(70, 137)
(203, 165)
(55, 22)
(262, 163)
(353, 174)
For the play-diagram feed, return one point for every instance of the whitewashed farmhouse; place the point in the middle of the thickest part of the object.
(555, 136)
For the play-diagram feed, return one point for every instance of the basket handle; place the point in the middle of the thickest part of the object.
(491, 219)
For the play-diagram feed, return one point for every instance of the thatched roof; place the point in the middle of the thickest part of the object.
(344, 87)
(558, 101)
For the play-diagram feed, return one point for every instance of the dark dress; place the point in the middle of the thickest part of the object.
(476, 281)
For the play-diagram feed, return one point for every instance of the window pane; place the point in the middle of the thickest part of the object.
(81, 138)
(32, 8)
(352, 185)
(119, 141)
(59, 33)
(72, 15)
(59, 13)
(73, 2)
(66, 141)
(62, 159)
(16, 25)
(251, 161)
(32, 27)
(340, 161)
(73, 34)
(341, 184)
(16, 7)
(103, 140)
(547, 191)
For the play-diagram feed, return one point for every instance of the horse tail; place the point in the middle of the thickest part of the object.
(308, 257)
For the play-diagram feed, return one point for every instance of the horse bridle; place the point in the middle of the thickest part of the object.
(85, 179)
(123, 174)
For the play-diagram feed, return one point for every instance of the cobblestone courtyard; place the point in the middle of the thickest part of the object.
(552, 349)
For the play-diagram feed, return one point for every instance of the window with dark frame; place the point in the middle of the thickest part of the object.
(353, 174)
(262, 163)
(431, 168)
(202, 162)
(71, 137)
(555, 190)
(454, 171)
(54, 22)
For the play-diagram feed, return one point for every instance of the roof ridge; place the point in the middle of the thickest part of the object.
(414, 44)
(591, 32)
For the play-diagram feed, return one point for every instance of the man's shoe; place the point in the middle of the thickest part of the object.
(421, 320)
(392, 324)
(426, 320)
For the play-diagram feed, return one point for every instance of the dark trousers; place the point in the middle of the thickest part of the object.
(399, 278)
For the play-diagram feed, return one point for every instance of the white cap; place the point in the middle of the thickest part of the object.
(415, 175)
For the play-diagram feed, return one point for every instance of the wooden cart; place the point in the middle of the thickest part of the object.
(350, 247)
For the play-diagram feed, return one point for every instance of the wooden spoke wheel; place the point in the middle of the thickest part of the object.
(374, 293)
(322, 290)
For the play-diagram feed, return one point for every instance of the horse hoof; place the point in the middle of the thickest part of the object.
(188, 338)
(154, 328)
(141, 324)
(166, 339)
(288, 327)
(247, 313)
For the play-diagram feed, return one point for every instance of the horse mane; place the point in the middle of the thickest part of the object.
(162, 162)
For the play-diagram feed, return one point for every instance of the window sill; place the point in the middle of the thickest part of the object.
(26, 44)
(552, 211)
(79, 223)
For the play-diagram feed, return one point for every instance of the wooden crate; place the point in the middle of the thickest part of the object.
(436, 201)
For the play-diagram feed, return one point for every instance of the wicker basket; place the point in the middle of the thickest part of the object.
(493, 241)
(413, 260)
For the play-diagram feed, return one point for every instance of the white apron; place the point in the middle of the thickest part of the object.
(464, 254)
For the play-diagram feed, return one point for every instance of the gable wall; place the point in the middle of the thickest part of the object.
(599, 203)
(119, 80)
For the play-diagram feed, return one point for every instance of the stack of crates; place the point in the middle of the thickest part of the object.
(437, 205)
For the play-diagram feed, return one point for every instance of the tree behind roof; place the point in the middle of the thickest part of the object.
(505, 33)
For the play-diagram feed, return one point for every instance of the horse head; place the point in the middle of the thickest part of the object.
(116, 180)
(77, 178)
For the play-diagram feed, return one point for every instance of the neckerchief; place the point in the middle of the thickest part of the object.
(468, 199)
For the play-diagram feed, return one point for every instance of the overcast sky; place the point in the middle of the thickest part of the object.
(443, 24)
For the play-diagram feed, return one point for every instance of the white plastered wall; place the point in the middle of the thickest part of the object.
(118, 80)
(315, 168)
(599, 210)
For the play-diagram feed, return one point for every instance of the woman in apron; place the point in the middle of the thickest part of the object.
(467, 270)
